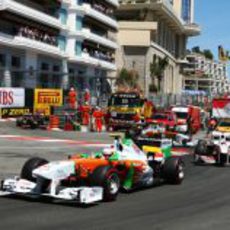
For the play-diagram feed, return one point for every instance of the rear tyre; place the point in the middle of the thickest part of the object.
(33, 125)
(29, 166)
(173, 170)
(184, 143)
(201, 148)
(107, 178)
(220, 158)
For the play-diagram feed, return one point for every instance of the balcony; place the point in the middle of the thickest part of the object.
(88, 10)
(30, 13)
(113, 2)
(85, 58)
(192, 29)
(87, 34)
(163, 8)
(27, 43)
(49, 7)
(66, 2)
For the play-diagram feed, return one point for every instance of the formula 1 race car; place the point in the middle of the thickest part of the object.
(213, 151)
(32, 121)
(91, 178)
(148, 134)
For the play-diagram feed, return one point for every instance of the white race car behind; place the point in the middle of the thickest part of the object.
(213, 151)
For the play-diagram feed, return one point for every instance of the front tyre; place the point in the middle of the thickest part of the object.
(29, 166)
(173, 170)
(107, 178)
(201, 148)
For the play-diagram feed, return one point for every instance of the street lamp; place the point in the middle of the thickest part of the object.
(98, 89)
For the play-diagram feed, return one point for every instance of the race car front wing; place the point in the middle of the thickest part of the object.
(21, 187)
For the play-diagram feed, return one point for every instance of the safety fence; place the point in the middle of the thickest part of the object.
(168, 100)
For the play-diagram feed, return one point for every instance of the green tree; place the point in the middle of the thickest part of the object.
(208, 54)
(157, 68)
(127, 78)
(196, 49)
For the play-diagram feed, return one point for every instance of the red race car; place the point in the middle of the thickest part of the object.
(168, 119)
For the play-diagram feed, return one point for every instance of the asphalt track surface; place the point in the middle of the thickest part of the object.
(201, 202)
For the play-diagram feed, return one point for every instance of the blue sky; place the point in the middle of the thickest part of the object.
(214, 18)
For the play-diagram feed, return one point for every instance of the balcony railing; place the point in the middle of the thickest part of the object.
(30, 13)
(102, 39)
(90, 60)
(49, 7)
(105, 19)
(98, 55)
(28, 43)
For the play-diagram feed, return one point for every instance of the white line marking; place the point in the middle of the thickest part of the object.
(52, 140)
(5, 136)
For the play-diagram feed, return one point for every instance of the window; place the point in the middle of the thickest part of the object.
(56, 81)
(44, 66)
(2, 60)
(63, 16)
(78, 23)
(71, 71)
(43, 80)
(15, 62)
(78, 48)
(186, 10)
(79, 2)
(62, 43)
(17, 79)
(56, 68)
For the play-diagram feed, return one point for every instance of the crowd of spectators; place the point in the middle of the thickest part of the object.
(103, 9)
(37, 35)
(105, 56)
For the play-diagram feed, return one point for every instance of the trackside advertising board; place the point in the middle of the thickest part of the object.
(12, 97)
(45, 98)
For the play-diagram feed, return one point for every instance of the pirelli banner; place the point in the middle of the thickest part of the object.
(45, 98)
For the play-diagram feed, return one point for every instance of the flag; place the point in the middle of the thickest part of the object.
(223, 55)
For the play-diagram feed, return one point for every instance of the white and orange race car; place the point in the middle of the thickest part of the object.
(90, 178)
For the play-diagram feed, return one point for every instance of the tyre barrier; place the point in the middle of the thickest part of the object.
(54, 122)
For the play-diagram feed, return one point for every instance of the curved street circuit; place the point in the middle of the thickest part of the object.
(201, 202)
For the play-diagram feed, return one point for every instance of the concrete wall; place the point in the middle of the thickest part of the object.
(135, 58)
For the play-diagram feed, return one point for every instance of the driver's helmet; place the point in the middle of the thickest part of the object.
(108, 152)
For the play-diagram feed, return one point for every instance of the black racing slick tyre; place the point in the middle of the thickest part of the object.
(33, 125)
(201, 148)
(173, 170)
(107, 178)
(220, 158)
(29, 166)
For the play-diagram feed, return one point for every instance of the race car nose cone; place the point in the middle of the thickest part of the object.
(57, 170)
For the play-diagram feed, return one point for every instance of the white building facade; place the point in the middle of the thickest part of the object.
(202, 74)
(57, 44)
(155, 29)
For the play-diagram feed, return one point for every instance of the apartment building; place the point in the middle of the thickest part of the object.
(202, 74)
(154, 29)
(57, 43)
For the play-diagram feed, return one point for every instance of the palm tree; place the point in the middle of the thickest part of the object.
(157, 68)
(127, 78)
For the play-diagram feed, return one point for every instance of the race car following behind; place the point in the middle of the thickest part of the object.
(168, 119)
(90, 178)
(32, 121)
(146, 135)
(213, 151)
